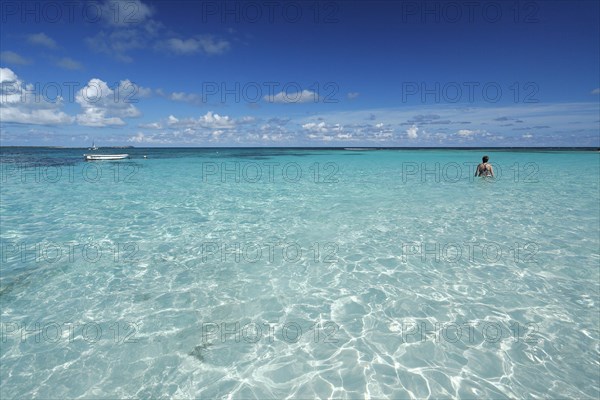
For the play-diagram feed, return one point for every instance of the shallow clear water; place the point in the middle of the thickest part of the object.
(278, 273)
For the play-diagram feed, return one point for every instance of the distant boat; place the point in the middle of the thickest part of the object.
(104, 157)
(93, 146)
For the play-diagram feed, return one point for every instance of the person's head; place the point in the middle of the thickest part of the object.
(485, 159)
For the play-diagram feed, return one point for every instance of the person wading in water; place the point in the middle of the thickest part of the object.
(484, 169)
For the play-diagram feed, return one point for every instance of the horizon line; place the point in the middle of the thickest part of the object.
(594, 148)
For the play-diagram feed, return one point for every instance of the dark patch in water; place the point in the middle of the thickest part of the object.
(197, 352)
(141, 297)
(36, 162)
(249, 157)
(8, 285)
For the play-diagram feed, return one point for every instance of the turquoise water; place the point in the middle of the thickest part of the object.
(278, 273)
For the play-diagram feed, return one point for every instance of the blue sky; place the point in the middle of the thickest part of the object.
(300, 73)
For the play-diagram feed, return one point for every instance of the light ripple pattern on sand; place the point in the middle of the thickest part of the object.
(192, 293)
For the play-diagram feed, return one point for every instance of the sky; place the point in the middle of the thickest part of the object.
(300, 73)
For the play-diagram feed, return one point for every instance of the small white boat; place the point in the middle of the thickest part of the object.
(104, 157)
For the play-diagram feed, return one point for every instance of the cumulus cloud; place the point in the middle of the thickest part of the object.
(332, 132)
(138, 138)
(304, 96)
(371, 127)
(10, 57)
(412, 132)
(7, 76)
(19, 103)
(208, 128)
(41, 39)
(103, 106)
(210, 120)
(352, 95)
(348, 132)
(466, 132)
(216, 120)
(596, 91)
(320, 127)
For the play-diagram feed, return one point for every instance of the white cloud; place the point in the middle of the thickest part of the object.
(304, 96)
(118, 43)
(482, 133)
(314, 127)
(247, 119)
(138, 138)
(20, 103)
(327, 132)
(189, 46)
(185, 97)
(205, 44)
(596, 91)
(153, 125)
(7, 76)
(126, 12)
(349, 132)
(209, 120)
(466, 132)
(352, 95)
(217, 120)
(208, 128)
(41, 39)
(412, 132)
(34, 117)
(142, 91)
(212, 45)
(386, 127)
(129, 26)
(343, 136)
(10, 57)
(102, 106)
(68, 63)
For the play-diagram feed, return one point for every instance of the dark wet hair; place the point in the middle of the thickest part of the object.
(485, 159)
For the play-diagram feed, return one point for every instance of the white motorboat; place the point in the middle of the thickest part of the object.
(104, 157)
